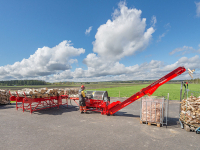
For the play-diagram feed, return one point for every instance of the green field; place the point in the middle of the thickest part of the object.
(125, 89)
(172, 89)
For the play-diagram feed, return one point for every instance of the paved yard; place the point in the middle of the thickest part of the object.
(66, 128)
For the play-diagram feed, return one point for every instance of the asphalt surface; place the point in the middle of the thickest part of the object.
(66, 128)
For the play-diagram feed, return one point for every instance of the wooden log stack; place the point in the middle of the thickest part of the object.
(190, 111)
(4, 97)
(152, 110)
(45, 92)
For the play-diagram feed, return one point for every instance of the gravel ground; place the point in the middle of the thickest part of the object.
(66, 128)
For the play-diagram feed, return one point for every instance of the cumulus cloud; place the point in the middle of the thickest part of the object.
(71, 61)
(124, 35)
(153, 70)
(88, 30)
(192, 63)
(45, 61)
(198, 9)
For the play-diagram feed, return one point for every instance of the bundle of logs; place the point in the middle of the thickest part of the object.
(152, 110)
(190, 111)
(4, 97)
(45, 92)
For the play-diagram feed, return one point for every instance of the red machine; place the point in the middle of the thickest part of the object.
(104, 106)
(97, 101)
(34, 104)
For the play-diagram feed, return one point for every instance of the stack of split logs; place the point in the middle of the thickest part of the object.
(45, 92)
(152, 110)
(4, 97)
(190, 111)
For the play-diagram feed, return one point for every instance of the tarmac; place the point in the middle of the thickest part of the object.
(65, 128)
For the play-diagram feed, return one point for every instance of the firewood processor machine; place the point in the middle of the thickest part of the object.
(100, 102)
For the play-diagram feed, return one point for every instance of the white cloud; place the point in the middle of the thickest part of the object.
(198, 9)
(146, 71)
(184, 50)
(192, 63)
(167, 27)
(45, 61)
(88, 30)
(71, 61)
(153, 21)
(123, 35)
(161, 36)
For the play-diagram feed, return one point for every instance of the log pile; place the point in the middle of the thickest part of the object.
(4, 97)
(152, 110)
(45, 92)
(190, 111)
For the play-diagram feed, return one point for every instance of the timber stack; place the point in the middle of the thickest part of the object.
(4, 97)
(152, 110)
(190, 111)
(45, 92)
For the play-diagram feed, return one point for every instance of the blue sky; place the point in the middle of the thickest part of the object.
(73, 40)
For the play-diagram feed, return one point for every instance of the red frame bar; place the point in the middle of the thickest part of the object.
(149, 90)
(34, 104)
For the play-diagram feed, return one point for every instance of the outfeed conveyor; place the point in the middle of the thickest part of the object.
(107, 108)
(35, 104)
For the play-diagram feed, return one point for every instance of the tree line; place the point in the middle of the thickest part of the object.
(23, 82)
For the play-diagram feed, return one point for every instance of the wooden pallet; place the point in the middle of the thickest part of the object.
(189, 127)
(150, 123)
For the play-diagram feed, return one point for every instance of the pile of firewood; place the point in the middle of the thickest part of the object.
(152, 110)
(190, 110)
(4, 97)
(45, 92)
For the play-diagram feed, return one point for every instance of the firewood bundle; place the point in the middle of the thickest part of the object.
(190, 111)
(152, 110)
(72, 92)
(4, 97)
(45, 92)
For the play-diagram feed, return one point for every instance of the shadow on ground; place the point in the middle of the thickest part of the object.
(55, 110)
(7, 106)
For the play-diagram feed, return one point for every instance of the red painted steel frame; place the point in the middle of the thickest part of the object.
(97, 105)
(17, 100)
(34, 104)
(149, 90)
(93, 104)
(107, 108)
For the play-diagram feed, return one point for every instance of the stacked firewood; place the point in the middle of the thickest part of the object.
(190, 110)
(72, 92)
(4, 97)
(45, 92)
(152, 110)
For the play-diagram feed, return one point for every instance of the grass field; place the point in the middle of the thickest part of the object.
(172, 89)
(125, 89)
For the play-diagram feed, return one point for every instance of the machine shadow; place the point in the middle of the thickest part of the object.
(124, 114)
(173, 122)
(56, 111)
(7, 106)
